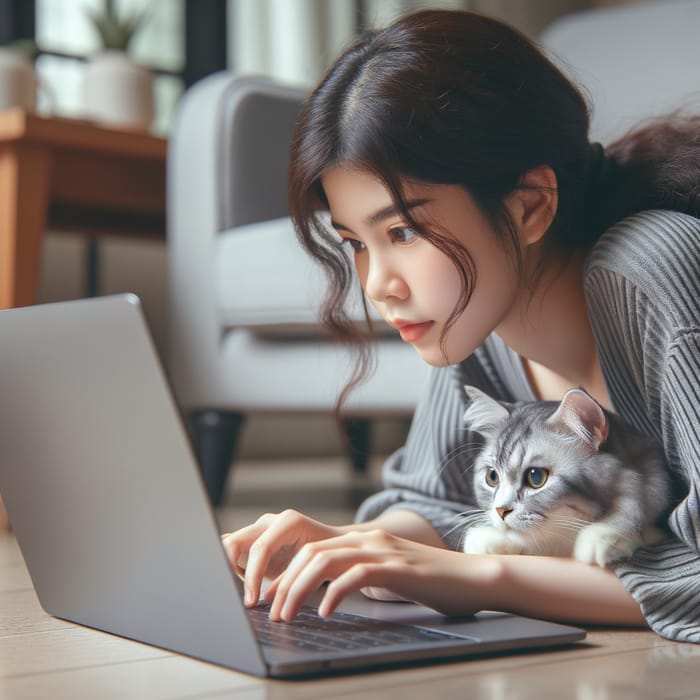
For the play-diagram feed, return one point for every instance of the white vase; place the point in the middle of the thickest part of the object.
(18, 83)
(116, 92)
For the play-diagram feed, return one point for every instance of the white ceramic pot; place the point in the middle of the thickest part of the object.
(18, 81)
(116, 92)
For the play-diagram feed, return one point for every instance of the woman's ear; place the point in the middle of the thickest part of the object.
(533, 205)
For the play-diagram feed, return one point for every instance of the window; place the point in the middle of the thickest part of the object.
(66, 38)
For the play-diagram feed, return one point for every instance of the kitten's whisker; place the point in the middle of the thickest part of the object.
(567, 525)
(471, 518)
(561, 522)
(459, 451)
(572, 522)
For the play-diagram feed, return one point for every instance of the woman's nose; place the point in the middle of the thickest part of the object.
(384, 281)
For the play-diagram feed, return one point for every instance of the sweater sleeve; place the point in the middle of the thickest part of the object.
(665, 579)
(431, 474)
(643, 289)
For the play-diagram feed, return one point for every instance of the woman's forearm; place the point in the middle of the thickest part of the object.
(563, 589)
(402, 523)
(552, 588)
(548, 588)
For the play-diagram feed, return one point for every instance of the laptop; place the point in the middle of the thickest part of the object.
(114, 524)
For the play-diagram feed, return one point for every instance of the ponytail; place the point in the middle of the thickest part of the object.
(654, 166)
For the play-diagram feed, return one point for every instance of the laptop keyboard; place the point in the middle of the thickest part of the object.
(340, 631)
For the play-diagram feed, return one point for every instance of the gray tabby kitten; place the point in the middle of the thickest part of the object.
(563, 479)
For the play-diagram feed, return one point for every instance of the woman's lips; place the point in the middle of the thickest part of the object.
(413, 332)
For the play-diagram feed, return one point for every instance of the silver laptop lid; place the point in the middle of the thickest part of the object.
(113, 519)
(89, 432)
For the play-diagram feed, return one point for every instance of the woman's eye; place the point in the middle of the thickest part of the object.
(356, 245)
(536, 477)
(492, 477)
(402, 234)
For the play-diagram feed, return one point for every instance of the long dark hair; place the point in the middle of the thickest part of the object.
(450, 97)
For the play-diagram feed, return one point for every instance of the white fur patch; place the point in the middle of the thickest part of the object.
(491, 540)
(601, 544)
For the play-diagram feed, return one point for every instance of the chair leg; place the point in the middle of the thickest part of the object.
(215, 436)
(358, 432)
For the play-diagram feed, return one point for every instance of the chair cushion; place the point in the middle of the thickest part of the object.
(266, 282)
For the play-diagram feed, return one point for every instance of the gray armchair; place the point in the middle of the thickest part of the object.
(635, 61)
(243, 295)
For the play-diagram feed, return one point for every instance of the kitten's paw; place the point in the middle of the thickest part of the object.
(602, 544)
(490, 540)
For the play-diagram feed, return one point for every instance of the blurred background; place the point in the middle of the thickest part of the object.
(180, 42)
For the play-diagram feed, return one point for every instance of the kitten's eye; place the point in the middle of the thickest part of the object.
(401, 234)
(492, 477)
(537, 477)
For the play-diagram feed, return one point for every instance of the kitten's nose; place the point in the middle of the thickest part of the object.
(503, 512)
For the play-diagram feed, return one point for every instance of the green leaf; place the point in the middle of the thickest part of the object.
(117, 32)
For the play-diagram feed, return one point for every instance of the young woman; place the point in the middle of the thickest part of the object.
(454, 161)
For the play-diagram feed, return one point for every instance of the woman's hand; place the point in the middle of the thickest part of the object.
(265, 548)
(354, 560)
(309, 553)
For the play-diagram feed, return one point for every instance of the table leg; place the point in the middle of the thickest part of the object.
(25, 175)
(92, 267)
(4, 520)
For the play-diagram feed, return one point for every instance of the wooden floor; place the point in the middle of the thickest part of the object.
(42, 657)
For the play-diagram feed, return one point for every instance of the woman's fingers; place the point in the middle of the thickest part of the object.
(359, 576)
(265, 548)
(249, 552)
(271, 590)
(308, 553)
(236, 546)
(279, 537)
(317, 562)
(295, 587)
(383, 594)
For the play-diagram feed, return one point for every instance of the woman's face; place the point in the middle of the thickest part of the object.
(412, 284)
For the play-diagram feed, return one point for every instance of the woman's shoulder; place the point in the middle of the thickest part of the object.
(648, 236)
(653, 254)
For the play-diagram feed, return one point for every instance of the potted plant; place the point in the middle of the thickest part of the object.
(116, 91)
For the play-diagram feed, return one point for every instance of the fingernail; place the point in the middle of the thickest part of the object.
(248, 598)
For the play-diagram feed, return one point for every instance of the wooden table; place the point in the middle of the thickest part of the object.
(71, 175)
(42, 657)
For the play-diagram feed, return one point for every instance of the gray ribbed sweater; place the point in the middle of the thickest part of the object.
(642, 284)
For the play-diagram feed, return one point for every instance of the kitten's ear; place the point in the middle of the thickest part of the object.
(483, 414)
(582, 414)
